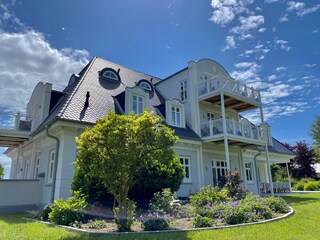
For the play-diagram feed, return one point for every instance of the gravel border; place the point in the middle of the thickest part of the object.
(91, 233)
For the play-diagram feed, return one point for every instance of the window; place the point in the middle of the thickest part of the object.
(110, 75)
(137, 104)
(185, 162)
(176, 116)
(145, 85)
(51, 165)
(219, 170)
(210, 116)
(36, 167)
(183, 90)
(248, 170)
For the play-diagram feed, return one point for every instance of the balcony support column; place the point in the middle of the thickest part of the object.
(265, 133)
(224, 126)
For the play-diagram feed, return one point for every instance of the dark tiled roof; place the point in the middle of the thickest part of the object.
(185, 133)
(102, 96)
(278, 148)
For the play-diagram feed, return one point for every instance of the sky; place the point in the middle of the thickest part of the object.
(272, 45)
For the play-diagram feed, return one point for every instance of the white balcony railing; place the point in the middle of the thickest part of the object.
(242, 128)
(14, 121)
(220, 82)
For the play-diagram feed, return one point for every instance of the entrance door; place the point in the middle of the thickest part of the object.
(219, 171)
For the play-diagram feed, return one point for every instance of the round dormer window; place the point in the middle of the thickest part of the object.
(145, 85)
(110, 74)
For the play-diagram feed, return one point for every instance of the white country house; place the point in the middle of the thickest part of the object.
(201, 102)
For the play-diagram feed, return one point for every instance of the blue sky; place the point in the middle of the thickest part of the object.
(272, 45)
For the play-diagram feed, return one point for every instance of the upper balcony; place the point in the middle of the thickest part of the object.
(242, 132)
(237, 96)
(14, 130)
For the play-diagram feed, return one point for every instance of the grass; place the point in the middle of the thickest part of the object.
(302, 225)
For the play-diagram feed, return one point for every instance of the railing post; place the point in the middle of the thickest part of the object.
(234, 127)
(17, 121)
(252, 93)
(211, 127)
(246, 90)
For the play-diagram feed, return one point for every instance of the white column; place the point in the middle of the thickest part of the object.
(224, 126)
(289, 177)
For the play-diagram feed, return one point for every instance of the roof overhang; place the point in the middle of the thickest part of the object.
(12, 138)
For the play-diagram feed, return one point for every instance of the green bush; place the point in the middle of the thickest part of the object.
(234, 185)
(312, 186)
(238, 214)
(67, 212)
(200, 222)
(210, 195)
(278, 204)
(299, 186)
(162, 202)
(97, 224)
(44, 215)
(155, 221)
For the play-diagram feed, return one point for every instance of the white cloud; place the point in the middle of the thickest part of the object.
(247, 24)
(300, 8)
(270, 1)
(282, 44)
(308, 65)
(230, 43)
(225, 11)
(262, 30)
(315, 31)
(284, 18)
(272, 77)
(27, 58)
(274, 29)
(280, 68)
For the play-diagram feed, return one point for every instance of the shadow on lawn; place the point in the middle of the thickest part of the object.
(297, 200)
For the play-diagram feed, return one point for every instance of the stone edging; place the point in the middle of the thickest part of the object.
(83, 231)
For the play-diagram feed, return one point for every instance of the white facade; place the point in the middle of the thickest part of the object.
(201, 96)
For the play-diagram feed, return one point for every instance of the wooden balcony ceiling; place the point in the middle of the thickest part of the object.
(11, 141)
(238, 143)
(231, 103)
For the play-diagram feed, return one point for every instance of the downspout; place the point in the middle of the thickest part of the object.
(256, 170)
(55, 163)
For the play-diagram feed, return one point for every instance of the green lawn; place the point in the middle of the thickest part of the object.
(303, 225)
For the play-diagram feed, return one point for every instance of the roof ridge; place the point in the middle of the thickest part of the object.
(130, 68)
(64, 107)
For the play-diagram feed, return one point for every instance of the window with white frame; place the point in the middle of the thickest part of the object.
(146, 86)
(185, 162)
(183, 90)
(248, 170)
(210, 116)
(137, 104)
(110, 75)
(176, 116)
(52, 155)
(220, 169)
(36, 167)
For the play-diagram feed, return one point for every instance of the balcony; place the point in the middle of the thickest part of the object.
(238, 96)
(239, 132)
(13, 130)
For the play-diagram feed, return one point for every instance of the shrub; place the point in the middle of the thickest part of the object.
(162, 202)
(234, 185)
(67, 212)
(200, 221)
(44, 215)
(299, 186)
(155, 221)
(278, 204)
(131, 210)
(238, 214)
(97, 224)
(311, 186)
(209, 194)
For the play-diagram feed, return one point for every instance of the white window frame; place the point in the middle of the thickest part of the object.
(220, 167)
(36, 167)
(52, 155)
(110, 75)
(248, 168)
(146, 86)
(183, 90)
(176, 114)
(139, 101)
(186, 164)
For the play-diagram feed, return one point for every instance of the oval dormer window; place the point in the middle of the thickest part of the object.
(110, 74)
(145, 85)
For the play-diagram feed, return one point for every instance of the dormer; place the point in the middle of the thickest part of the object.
(39, 104)
(110, 74)
(136, 100)
(175, 115)
(146, 85)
